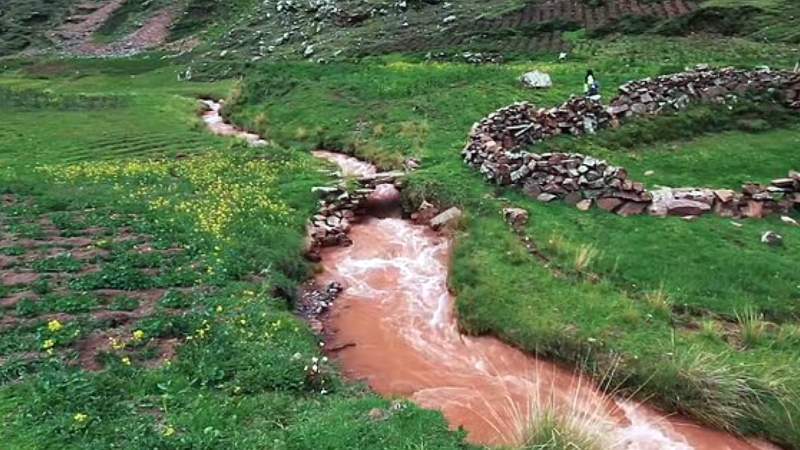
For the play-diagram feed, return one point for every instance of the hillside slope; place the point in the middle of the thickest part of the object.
(326, 29)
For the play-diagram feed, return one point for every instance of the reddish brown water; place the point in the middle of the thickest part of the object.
(217, 125)
(395, 329)
(349, 166)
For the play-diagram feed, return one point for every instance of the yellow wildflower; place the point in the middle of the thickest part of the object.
(54, 326)
(80, 418)
(116, 344)
(138, 335)
(48, 344)
(169, 431)
(125, 360)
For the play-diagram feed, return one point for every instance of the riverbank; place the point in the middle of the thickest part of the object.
(666, 306)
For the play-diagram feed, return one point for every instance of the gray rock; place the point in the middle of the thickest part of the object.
(584, 205)
(447, 219)
(537, 80)
(772, 238)
(517, 217)
(546, 197)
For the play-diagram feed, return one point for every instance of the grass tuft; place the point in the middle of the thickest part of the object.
(584, 256)
(752, 327)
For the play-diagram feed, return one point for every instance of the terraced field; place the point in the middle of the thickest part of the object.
(124, 132)
(538, 26)
(585, 15)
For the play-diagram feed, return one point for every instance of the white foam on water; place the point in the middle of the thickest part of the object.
(402, 267)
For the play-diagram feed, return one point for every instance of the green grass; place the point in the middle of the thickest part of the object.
(649, 282)
(237, 217)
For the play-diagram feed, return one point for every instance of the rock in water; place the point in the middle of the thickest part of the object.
(537, 80)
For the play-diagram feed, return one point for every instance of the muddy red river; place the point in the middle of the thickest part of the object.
(395, 329)
(217, 125)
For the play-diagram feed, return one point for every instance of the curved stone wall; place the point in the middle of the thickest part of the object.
(496, 146)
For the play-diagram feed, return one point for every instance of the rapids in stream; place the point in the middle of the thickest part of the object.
(394, 327)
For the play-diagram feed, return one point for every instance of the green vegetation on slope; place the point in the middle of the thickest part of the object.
(699, 317)
(24, 22)
(164, 261)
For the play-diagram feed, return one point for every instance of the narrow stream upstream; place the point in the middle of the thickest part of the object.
(394, 327)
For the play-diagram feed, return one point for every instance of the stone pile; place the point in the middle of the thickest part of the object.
(339, 208)
(314, 301)
(793, 92)
(496, 143)
(523, 124)
(573, 177)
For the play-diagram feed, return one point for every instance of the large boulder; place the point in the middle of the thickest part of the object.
(537, 80)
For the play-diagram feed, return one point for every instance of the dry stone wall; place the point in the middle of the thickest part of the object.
(339, 207)
(496, 146)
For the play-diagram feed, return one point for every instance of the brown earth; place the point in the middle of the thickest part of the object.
(75, 36)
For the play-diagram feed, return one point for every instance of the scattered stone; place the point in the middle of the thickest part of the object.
(609, 204)
(772, 238)
(686, 207)
(546, 197)
(447, 219)
(378, 414)
(516, 217)
(424, 213)
(725, 195)
(789, 220)
(315, 301)
(537, 80)
(584, 205)
(632, 209)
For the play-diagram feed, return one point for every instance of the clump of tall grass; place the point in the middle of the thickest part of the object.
(584, 256)
(710, 329)
(720, 393)
(659, 300)
(541, 417)
(550, 430)
(751, 327)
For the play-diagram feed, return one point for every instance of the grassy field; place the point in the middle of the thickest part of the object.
(148, 273)
(699, 317)
(149, 267)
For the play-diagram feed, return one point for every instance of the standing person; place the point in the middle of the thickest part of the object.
(590, 86)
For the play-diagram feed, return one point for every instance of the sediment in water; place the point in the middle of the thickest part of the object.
(394, 327)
